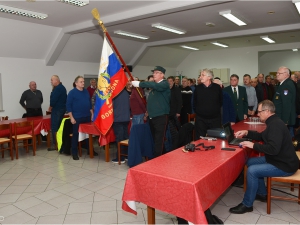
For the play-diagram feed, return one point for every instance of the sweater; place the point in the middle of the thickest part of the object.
(278, 148)
(33, 100)
(137, 105)
(79, 103)
(159, 98)
(121, 106)
(208, 101)
(58, 97)
(186, 93)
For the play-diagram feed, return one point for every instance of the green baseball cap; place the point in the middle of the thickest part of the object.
(159, 68)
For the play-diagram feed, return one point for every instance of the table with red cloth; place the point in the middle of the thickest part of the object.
(41, 125)
(87, 130)
(185, 184)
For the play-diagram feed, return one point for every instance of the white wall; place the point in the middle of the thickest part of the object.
(17, 73)
(268, 60)
(143, 72)
(239, 60)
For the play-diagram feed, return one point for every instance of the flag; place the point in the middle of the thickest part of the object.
(111, 81)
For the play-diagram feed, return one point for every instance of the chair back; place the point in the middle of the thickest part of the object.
(4, 118)
(23, 127)
(5, 130)
(191, 117)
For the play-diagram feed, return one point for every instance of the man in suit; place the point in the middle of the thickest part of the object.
(239, 98)
(285, 97)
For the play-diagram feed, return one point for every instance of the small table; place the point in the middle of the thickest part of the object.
(87, 130)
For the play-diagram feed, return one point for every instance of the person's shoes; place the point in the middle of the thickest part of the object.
(51, 149)
(95, 153)
(75, 157)
(240, 209)
(262, 198)
(117, 161)
(126, 159)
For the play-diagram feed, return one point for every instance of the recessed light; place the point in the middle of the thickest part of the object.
(128, 34)
(75, 2)
(227, 14)
(168, 28)
(188, 47)
(219, 44)
(22, 12)
(267, 39)
(295, 50)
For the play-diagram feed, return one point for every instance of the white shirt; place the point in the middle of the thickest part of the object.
(237, 91)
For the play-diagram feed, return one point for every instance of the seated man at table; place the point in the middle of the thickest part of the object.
(280, 158)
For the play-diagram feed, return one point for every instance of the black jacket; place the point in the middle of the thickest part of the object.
(176, 101)
(278, 148)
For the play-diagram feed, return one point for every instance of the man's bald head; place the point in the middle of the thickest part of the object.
(55, 80)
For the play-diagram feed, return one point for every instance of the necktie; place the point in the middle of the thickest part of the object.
(235, 93)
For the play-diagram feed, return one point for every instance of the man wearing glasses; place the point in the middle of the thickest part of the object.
(285, 97)
(280, 159)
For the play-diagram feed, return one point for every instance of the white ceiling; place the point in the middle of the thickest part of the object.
(76, 32)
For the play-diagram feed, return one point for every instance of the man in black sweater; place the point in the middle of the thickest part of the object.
(208, 99)
(280, 158)
(175, 102)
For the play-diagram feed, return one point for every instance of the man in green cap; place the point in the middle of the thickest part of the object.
(158, 106)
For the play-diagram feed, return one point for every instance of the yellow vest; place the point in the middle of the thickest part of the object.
(59, 133)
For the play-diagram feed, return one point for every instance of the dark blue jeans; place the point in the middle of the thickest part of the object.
(258, 169)
(121, 133)
(56, 118)
(75, 134)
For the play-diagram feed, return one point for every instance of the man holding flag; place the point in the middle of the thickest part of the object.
(158, 106)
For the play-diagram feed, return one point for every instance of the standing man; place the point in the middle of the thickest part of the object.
(92, 88)
(239, 97)
(208, 100)
(261, 91)
(270, 87)
(187, 94)
(158, 106)
(175, 103)
(251, 95)
(285, 97)
(58, 99)
(177, 82)
(280, 159)
(33, 99)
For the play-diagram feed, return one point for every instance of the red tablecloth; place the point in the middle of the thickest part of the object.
(186, 184)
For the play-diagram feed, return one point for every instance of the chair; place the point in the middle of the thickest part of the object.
(21, 131)
(294, 179)
(124, 143)
(4, 118)
(7, 139)
(192, 117)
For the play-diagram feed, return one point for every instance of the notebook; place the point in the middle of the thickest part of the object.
(229, 135)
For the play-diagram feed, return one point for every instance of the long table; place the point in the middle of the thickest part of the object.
(41, 125)
(185, 184)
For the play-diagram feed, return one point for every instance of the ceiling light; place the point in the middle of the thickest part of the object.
(297, 4)
(295, 50)
(22, 12)
(187, 47)
(125, 33)
(168, 28)
(75, 2)
(219, 44)
(267, 39)
(227, 14)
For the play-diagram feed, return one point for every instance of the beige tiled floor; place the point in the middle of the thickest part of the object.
(50, 188)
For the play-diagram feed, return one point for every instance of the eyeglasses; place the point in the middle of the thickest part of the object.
(261, 111)
(280, 73)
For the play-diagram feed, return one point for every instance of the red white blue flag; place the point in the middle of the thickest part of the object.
(111, 81)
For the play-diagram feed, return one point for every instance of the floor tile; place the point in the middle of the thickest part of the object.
(9, 198)
(15, 189)
(104, 218)
(66, 188)
(59, 219)
(9, 210)
(36, 188)
(18, 218)
(109, 191)
(124, 217)
(61, 200)
(105, 206)
(60, 211)
(22, 181)
(80, 207)
(27, 203)
(40, 210)
(82, 182)
(83, 218)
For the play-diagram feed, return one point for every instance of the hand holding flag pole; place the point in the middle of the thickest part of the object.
(96, 15)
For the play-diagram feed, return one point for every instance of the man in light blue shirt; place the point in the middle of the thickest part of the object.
(251, 94)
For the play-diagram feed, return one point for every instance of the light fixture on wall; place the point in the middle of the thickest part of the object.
(219, 44)
(168, 28)
(128, 34)
(76, 2)
(295, 49)
(22, 12)
(267, 39)
(297, 4)
(227, 14)
(188, 47)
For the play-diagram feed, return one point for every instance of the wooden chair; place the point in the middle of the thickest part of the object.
(124, 143)
(24, 127)
(6, 140)
(192, 117)
(4, 118)
(294, 179)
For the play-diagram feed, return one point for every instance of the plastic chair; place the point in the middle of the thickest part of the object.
(21, 131)
(6, 140)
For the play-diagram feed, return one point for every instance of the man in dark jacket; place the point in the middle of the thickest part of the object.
(280, 159)
(158, 106)
(176, 101)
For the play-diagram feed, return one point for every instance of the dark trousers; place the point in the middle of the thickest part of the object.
(75, 134)
(184, 116)
(202, 125)
(121, 133)
(30, 112)
(158, 126)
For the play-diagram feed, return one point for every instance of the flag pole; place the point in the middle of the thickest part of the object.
(96, 15)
